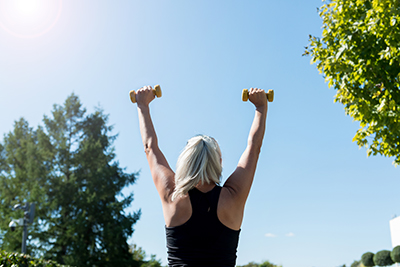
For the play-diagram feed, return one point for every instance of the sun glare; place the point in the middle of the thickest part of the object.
(27, 7)
(29, 18)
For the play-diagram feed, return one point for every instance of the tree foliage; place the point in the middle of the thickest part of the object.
(395, 254)
(382, 258)
(139, 256)
(359, 56)
(15, 259)
(263, 264)
(22, 178)
(68, 168)
(368, 259)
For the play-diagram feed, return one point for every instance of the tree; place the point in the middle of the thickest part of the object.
(263, 264)
(359, 56)
(395, 254)
(367, 259)
(382, 258)
(269, 264)
(250, 264)
(22, 178)
(139, 255)
(355, 264)
(70, 164)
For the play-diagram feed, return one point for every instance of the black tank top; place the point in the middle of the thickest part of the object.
(203, 240)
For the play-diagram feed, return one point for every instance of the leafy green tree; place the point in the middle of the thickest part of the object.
(250, 264)
(68, 168)
(382, 258)
(153, 262)
(368, 259)
(139, 255)
(395, 254)
(359, 56)
(269, 264)
(355, 264)
(263, 264)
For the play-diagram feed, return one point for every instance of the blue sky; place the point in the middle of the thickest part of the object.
(317, 200)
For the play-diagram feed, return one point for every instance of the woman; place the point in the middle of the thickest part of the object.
(202, 219)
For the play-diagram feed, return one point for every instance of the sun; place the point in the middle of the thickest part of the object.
(29, 18)
(25, 8)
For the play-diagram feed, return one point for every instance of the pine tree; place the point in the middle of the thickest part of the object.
(22, 179)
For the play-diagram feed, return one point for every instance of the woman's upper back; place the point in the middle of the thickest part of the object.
(228, 213)
(203, 238)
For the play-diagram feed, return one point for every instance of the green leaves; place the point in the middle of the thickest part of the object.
(263, 264)
(395, 254)
(367, 259)
(139, 255)
(15, 259)
(358, 55)
(382, 258)
(22, 178)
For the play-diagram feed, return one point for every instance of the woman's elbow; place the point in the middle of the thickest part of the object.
(150, 145)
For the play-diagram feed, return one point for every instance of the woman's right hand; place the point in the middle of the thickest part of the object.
(258, 97)
(144, 96)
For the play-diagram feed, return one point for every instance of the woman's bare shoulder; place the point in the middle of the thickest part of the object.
(177, 212)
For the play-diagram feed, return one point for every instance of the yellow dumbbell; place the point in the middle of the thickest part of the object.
(269, 94)
(156, 91)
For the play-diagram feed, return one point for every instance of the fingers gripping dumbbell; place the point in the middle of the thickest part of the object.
(156, 91)
(269, 94)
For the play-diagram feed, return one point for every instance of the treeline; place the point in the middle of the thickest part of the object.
(381, 258)
(263, 264)
(67, 167)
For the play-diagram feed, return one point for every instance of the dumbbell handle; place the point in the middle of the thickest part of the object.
(156, 91)
(269, 94)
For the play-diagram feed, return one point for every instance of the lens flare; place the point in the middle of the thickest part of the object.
(29, 18)
(26, 7)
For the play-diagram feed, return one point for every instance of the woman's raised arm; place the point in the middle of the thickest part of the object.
(162, 174)
(239, 183)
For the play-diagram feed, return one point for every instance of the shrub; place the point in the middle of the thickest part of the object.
(382, 258)
(254, 264)
(395, 254)
(18, 259)
(367, 259)
(269, 264)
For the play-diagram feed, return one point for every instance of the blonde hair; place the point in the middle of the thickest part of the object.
(199, 162)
